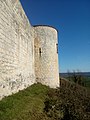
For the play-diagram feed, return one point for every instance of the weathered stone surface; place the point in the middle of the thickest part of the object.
(46, 56)
(27, 54)
(16, 48)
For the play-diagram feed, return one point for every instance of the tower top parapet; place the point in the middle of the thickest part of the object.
(46, 26)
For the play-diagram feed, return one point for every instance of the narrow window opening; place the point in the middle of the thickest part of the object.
(57, 47)
(40, 51)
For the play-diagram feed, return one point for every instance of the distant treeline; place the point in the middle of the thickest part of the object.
(81, 78)
(85, 74)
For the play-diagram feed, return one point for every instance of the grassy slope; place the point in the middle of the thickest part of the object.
(85, 80)
(24, 105)
(88, 82)
(38, 102)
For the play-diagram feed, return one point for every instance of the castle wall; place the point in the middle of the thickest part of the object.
(46, 56)
(16, 48)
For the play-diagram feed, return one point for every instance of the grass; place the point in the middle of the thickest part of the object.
(25, 104)
(84, 79)
(39, 102)
(87, 82)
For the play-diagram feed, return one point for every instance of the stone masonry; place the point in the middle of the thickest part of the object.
(28, 54)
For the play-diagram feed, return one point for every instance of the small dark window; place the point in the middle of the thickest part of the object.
(57, 47)
(40, 51)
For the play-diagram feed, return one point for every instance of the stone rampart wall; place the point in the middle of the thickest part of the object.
(16, 48)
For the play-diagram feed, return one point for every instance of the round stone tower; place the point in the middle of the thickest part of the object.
(46, 56)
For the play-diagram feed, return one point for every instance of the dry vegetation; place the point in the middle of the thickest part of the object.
(38, 102)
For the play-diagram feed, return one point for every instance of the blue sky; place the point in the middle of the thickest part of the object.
(72, 19)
